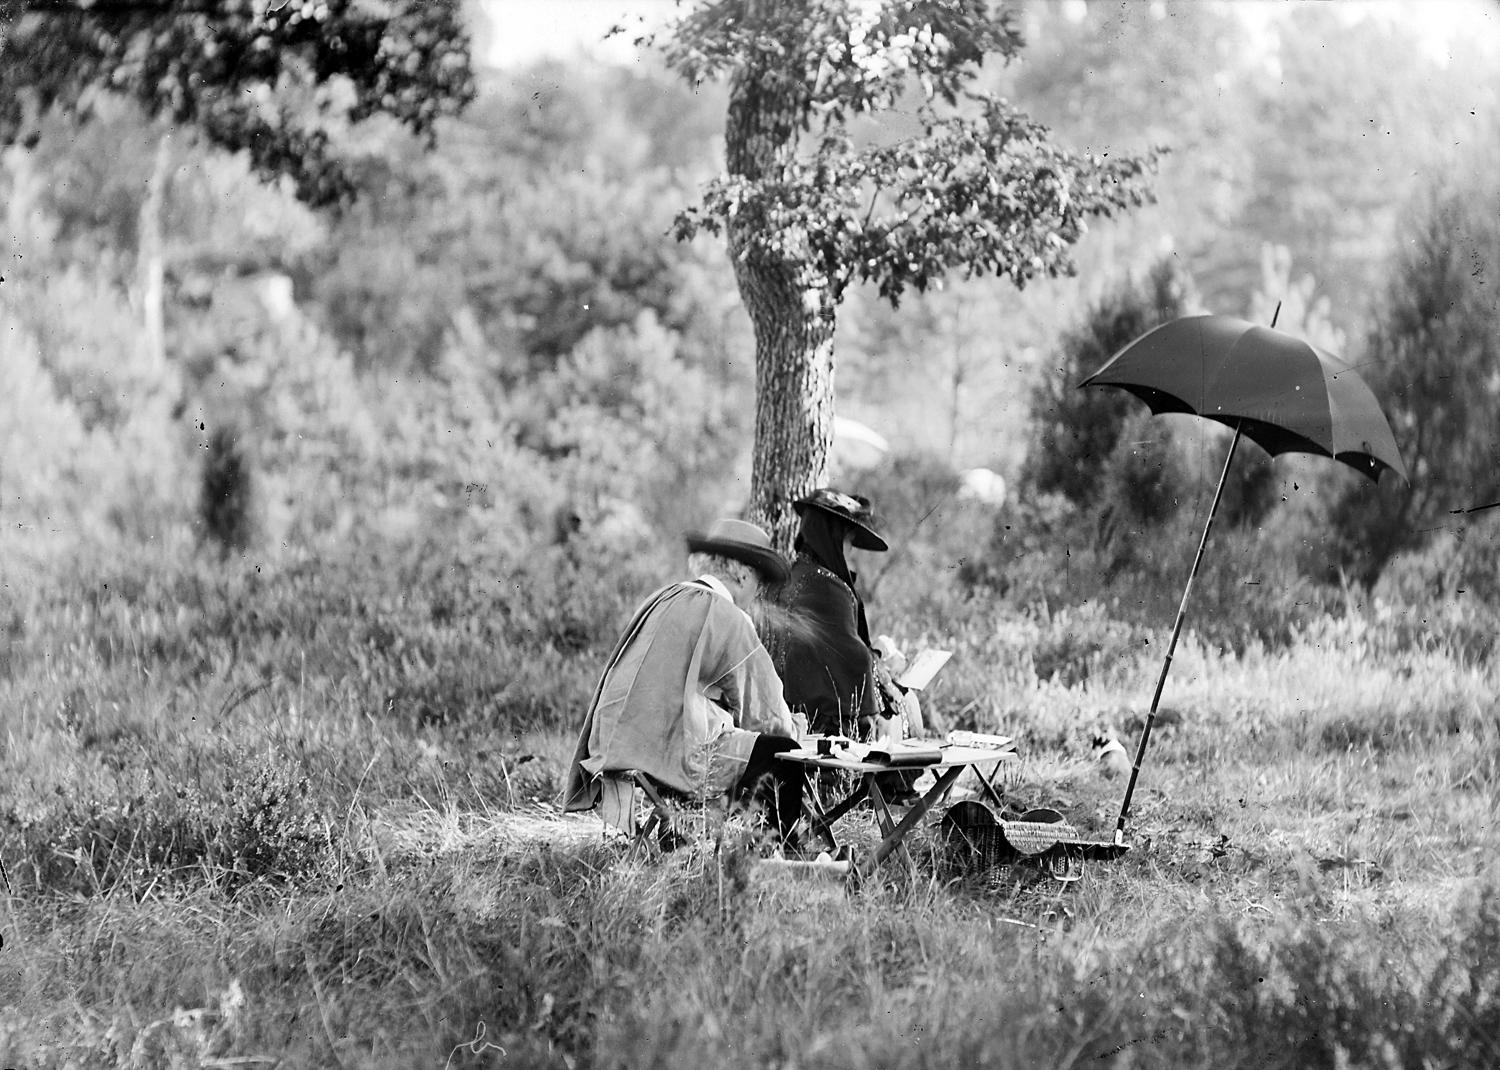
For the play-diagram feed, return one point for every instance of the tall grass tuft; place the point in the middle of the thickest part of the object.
(262, 829)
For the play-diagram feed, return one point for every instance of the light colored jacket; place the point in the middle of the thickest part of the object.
(686, 691)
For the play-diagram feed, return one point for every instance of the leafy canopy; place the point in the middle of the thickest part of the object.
(274, 79)
(954, 179)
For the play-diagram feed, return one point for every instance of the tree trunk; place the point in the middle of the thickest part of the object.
(956, 398)
(793, 319)
(792, 306)
(151, 258)
(10, 11)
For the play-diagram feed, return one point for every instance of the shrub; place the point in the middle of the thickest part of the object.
(1043, 555)
(1141, 490)
(1328, 1005)
(87, 444)
(1078, 642)
(1075, 431)
(1387, 627)
(1460, 563)
(227, 496)
(1431, 357)
(272, 829)
(625, 415)
(263, 828)
(932, 531)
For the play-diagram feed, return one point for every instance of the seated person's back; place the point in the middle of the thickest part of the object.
(689, 696)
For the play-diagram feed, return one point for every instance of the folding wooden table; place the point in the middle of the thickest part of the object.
(955, 759)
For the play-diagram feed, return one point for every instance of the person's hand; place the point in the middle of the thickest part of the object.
(915, 724)
(891, 656)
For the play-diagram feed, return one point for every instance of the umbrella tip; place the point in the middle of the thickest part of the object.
(1276, 314)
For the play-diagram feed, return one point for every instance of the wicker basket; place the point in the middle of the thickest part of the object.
(976, 838)
(1035, 837)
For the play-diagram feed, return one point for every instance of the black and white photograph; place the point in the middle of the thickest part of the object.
(741, 534)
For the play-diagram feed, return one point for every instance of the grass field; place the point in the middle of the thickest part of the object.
(258, 816)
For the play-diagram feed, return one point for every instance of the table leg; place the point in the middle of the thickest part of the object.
(883, 816)
(820, 822)
(987, 782)
(915, 814)
(855, 797)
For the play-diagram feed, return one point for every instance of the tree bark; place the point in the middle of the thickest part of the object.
(792, 306)
(793, 320)
(10, 11)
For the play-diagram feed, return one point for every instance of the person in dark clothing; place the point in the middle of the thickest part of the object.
(769, 785)
(816, 630)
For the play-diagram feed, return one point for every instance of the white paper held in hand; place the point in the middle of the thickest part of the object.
(923, 668)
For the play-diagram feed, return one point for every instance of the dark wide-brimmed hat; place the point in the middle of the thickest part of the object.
(740, 540)
(852, 509)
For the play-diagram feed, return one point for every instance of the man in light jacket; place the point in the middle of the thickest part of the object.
(689, 696)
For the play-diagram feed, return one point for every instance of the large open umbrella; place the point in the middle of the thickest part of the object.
(1278, 391)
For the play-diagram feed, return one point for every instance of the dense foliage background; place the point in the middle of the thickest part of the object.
(306, 580)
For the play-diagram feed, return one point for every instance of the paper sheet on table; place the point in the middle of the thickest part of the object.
(982, 740)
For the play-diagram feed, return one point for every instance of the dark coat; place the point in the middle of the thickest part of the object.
(820, 644)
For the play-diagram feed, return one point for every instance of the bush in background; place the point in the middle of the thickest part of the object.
(1431, 359)
(90, 444)
(1074, 432)
(226, 500)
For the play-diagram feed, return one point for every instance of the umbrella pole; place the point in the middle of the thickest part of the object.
(1166, 665)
